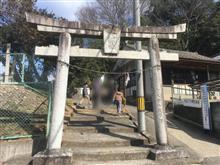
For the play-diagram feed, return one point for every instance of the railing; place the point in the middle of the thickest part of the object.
(25, 109)
(184, 91)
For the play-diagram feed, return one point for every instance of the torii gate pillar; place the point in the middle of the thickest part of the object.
(60, 89)
(157, 99)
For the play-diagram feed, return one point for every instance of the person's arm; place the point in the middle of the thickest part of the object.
(122, 94)
(113, 99)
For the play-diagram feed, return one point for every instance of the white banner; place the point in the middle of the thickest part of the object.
(192, 103)
(205, 107)
(188, 103)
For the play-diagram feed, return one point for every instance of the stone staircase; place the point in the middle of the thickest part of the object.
(104, 138)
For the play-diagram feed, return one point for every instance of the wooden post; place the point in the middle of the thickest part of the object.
(7, 62)
(193, 95)
(13, 67)
(172, 90)
(208, 74)
(23, 67)
(59, 98)
(158, 100)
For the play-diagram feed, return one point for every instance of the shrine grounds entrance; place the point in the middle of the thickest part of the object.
(111, 36)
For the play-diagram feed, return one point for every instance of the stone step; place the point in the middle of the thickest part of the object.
(102, 140)
(101, 123)
(83, 118)
(99, 128)
(110, 153)
(82, 121)
(115, 117)
(142, 162)
(19, 160)
(79, 118)
(117, 162)
(86, 112)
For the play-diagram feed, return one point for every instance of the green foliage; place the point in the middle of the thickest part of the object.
(77, 77)
(208, 39)
(202, 19)
(24, 36)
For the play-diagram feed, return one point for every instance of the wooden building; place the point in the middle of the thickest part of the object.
(191, 68)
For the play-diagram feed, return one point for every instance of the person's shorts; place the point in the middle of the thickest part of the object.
(86, 96)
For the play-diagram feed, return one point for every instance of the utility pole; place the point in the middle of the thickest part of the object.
(59, 98)
(139, 75)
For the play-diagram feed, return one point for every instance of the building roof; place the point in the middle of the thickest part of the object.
(213, 85)
(193, 56)
(216, 56)
(183, 55)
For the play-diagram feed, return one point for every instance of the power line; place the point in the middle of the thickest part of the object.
(96, 71)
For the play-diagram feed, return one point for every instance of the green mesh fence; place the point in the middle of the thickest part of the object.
(25, 109)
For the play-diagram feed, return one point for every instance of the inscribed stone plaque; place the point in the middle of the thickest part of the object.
(111, 40)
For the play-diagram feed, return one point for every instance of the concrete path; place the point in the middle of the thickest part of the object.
(203, 145)
(195, 138)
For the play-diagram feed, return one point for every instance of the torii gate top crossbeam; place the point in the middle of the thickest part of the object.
(96, 30)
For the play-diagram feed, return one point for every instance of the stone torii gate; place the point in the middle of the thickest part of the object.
(111, 36)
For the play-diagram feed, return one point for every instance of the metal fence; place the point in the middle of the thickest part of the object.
(184, 91)
(25, 109)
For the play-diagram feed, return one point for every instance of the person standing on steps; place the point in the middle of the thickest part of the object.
(85, 94)
(117, 99)
(96, 92)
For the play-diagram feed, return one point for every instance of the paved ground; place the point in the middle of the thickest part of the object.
(205, 146)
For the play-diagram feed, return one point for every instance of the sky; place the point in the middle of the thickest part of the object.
(63, 8)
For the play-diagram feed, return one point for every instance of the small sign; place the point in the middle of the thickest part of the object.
(111, 40)
(205, 107)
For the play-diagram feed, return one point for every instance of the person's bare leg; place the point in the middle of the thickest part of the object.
(81, 101)
(90, 102)
(120, 107)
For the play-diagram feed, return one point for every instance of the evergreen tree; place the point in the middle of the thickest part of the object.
(201, 17)
(24, 36)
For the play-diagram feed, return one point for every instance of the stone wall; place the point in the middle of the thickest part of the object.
(215, 109)
(13, 148)
(189, 113)
(194, 115)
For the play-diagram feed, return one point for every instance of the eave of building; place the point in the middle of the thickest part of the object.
(212, 85)
(188, 58)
